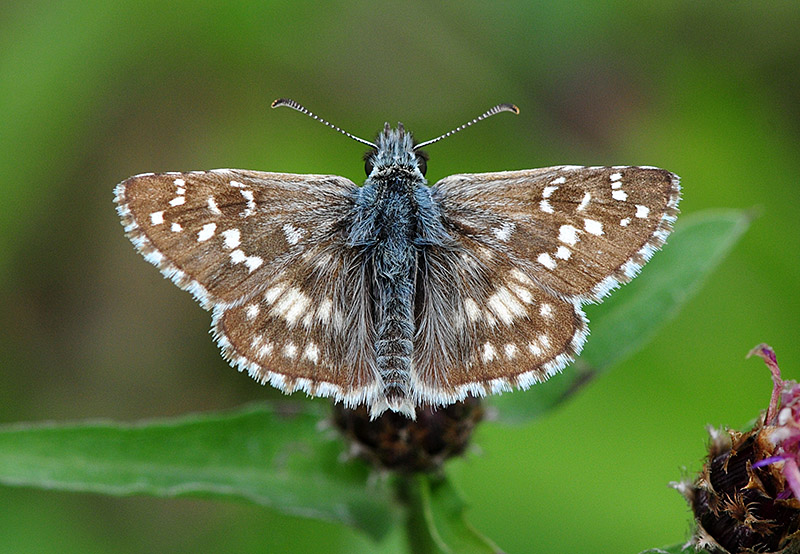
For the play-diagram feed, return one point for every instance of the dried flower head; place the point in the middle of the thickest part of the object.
(392, 441)
(745, 499)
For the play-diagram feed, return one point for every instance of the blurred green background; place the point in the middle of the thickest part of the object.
(93, 92)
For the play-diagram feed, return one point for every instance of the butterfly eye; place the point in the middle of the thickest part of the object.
(369, 159)
(422, 162)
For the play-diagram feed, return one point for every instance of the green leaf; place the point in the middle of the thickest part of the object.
(437, 523)
(271, 454)
(633, 315)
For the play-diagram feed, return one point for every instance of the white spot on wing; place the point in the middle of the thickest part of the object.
(179, 183)
(615, 176)
(547, 191)
(251, 204)
(237, 256)
(232, 238)
(311, 353)
(593, 226)
(511, 350)
(176, 227)
(489, 352)
(619, 195)
(546, 310)
(206, 232)
(558, 181)
(523, 293)
(292, 305)
(503, 232)
(568, 235)
(642, 211)
(545, 206)
(293, 234)
(521, 277)
(252, 311)
(272, 293)
(177, 201)
(505, 305)
(157, 218)
(290, 350)
(253, 263)
(472, 309)
(545, 259)
(563, 253)
(625, 222)
(212, 205)
(585, 202)
(265, 350)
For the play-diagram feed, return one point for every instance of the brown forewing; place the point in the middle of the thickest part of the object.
(209, 231)
(593, 227)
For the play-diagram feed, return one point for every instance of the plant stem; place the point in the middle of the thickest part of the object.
(411, 494)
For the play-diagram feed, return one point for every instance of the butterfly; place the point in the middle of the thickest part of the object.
(396, 294)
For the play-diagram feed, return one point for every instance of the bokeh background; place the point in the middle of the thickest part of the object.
(92, 92)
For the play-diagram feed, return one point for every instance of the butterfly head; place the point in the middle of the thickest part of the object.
(395, 151)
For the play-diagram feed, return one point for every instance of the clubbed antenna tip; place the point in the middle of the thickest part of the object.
(284, 102)
(508, 108)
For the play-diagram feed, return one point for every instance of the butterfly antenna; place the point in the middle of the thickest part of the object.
(497, 109)
(295, 106)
